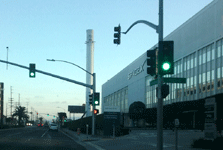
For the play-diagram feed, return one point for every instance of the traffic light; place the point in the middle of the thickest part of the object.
(32, 70)
(37, 113)
(165, 90)
(165, 58)
(96, 98)
(96, 111)
(117, 35)
(151, 62)
(47, 114)
(53, 116)
(90, 99)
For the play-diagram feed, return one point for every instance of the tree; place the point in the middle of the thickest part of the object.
(21, 113)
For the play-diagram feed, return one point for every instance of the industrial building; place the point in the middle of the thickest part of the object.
(198, 56)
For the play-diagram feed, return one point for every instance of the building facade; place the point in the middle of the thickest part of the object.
(198, 56)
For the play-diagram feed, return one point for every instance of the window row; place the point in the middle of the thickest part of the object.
(205, 55)
(119, 98)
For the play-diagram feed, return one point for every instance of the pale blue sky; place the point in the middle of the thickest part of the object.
(36, 30)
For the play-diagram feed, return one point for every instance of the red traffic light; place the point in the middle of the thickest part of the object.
(96, 111)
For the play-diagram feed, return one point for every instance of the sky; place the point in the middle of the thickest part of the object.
(36, 30)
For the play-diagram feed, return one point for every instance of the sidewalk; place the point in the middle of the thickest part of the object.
(138, 140)
(81, 136)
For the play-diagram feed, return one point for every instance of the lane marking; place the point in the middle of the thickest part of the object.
(84, 144)
(44, 133)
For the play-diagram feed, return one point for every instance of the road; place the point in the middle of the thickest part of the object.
(34, 138)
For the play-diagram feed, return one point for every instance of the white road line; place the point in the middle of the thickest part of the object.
(44, 133)
(49, 136)
(84, 144)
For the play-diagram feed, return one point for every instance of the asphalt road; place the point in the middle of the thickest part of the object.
(34, 138)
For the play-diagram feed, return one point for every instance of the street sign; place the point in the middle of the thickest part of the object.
(169, 80)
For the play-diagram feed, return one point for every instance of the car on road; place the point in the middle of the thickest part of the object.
(40, 124)
(45, 125)
(53, 126)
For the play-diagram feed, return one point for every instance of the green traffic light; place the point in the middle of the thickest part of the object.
(32, 74)
(166, 66)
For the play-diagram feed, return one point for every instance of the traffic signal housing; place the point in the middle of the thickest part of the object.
(151, 62)
(32, 70)
(165, 91)
(96, 99)
(117, 35)
(96, 111)
(90, 99)
(166, 57)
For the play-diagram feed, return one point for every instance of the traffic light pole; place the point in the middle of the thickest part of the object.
(159, 30)
(160, 99)
(93, 87)
(93, 115)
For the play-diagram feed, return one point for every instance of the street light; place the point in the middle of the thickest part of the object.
(70, 63)
(93, 88)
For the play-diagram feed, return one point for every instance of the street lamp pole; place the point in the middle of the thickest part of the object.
(93, 88)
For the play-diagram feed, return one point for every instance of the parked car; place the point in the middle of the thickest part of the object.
(53, 126)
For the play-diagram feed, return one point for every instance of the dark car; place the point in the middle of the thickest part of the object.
(45, 125)
(40, 124)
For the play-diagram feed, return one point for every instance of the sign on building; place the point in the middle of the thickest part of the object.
(210, 131)
(111, 119)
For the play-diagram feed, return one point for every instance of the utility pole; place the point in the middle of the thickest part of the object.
(11, 99)
(7, 57)
(19, 100)
(6, 110)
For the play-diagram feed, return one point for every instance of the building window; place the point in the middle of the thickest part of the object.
(175, 68)
(181, 67)
(218, 73)
(188, 62)
(200, 57)
(222, 47)
(208, 53)
(195, 84)
(195, 61)
(219, 48)
(191, 81)
(199, 78)
(204, 77)
(213, 52)
(192, 62)
(204, 55)
(178, 67)
(208, 76)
